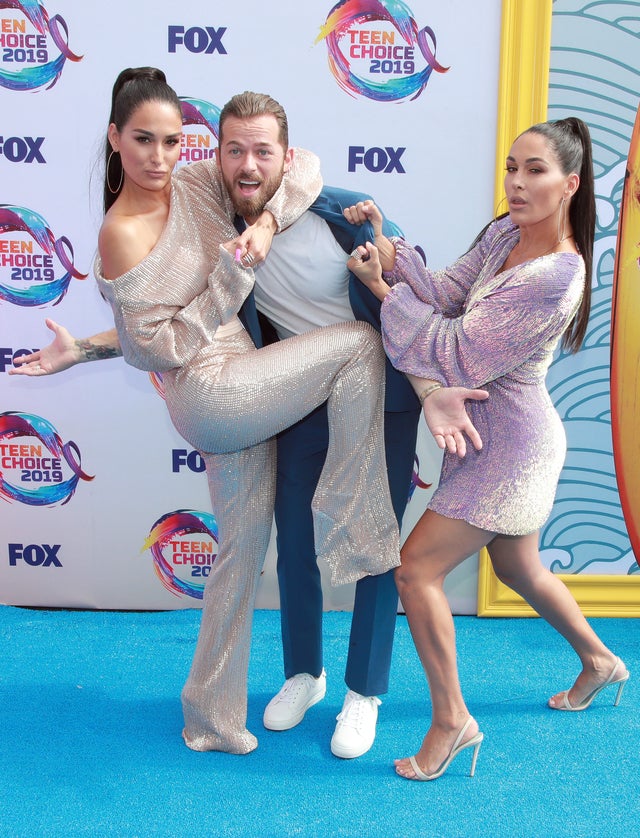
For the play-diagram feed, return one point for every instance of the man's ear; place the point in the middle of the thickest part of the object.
(288, 159)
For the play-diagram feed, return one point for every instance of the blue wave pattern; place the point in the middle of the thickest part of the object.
(586, 532)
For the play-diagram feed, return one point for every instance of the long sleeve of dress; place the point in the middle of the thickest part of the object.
(300, 187)
(505, 325)
(446, 290)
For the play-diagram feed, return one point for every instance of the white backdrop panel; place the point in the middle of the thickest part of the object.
(89, 550)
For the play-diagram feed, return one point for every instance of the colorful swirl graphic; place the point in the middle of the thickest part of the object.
(14, 424)
(41, 75)
(24, 220)
(176, 525)
(349, 13)
(199, 112)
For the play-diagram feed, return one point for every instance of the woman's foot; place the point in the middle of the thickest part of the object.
(605, 672)
(439, 747)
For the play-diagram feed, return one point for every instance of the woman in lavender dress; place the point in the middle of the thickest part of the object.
(492, 320)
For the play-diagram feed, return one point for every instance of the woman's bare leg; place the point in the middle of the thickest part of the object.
(516, 561)
(434, 548)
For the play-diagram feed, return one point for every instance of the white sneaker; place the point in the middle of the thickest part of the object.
(356, 728)
(287, 708)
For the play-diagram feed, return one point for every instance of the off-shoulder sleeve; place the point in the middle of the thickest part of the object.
(158, 337)
(497, 333)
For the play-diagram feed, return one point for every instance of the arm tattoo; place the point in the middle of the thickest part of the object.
(93, 352)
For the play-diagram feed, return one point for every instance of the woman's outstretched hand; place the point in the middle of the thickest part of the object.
(59, 355)
(448, 420)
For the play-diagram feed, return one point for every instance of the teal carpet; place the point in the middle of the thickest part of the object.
(90, 738)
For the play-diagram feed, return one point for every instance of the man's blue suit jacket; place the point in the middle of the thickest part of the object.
(329, 205)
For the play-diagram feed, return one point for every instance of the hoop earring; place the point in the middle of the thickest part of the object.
(119, 186)
(500, 203)
(561, 215)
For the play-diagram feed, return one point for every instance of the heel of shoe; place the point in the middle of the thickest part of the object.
(474, 759)
(621, 686)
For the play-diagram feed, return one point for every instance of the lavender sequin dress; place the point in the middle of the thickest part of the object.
(474, 326)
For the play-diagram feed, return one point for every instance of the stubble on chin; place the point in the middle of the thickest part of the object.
(251, 207)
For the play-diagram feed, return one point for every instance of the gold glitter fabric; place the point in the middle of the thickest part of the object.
(227, 399)
(477, 326)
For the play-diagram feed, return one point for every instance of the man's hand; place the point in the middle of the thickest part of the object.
(365, 211)
(448, 421)
(368, 211)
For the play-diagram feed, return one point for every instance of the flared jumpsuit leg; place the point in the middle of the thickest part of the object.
(256, 395)
(214, 698)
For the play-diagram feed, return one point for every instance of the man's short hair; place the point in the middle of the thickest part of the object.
(248, 104)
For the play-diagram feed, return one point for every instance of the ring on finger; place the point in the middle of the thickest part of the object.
(249, 257)
(355, 254)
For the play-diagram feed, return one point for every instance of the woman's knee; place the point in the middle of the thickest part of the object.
(413, 572)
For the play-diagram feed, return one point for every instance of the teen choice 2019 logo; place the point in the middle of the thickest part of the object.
(34, 46)
(184, 546)
(377, 50)
(202, 120)
(30, 257)
(40, 469)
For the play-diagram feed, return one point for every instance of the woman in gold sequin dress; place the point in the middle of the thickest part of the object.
(492, 320)
(176, 274)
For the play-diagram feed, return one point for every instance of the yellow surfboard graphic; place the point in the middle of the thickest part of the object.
(625, 347)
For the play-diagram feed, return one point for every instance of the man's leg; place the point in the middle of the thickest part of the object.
(375, 608)
(302, 450)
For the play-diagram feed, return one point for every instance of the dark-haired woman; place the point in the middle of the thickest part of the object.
(170, 267)
(492, 320)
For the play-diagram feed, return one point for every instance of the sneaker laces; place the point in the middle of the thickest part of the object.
(356, 706)
(292, 688)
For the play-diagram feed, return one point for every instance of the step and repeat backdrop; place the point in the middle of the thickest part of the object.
(102, 504)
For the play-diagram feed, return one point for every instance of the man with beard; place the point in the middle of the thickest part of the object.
(304, 283)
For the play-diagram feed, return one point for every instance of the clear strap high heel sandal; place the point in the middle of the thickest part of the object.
(619, 675)
(456, 748)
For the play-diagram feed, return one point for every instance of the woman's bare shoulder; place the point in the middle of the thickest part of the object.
(123, 242)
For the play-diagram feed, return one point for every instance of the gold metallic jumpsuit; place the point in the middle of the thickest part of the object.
(176, 313)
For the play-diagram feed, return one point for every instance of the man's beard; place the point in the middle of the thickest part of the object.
(252, 206)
